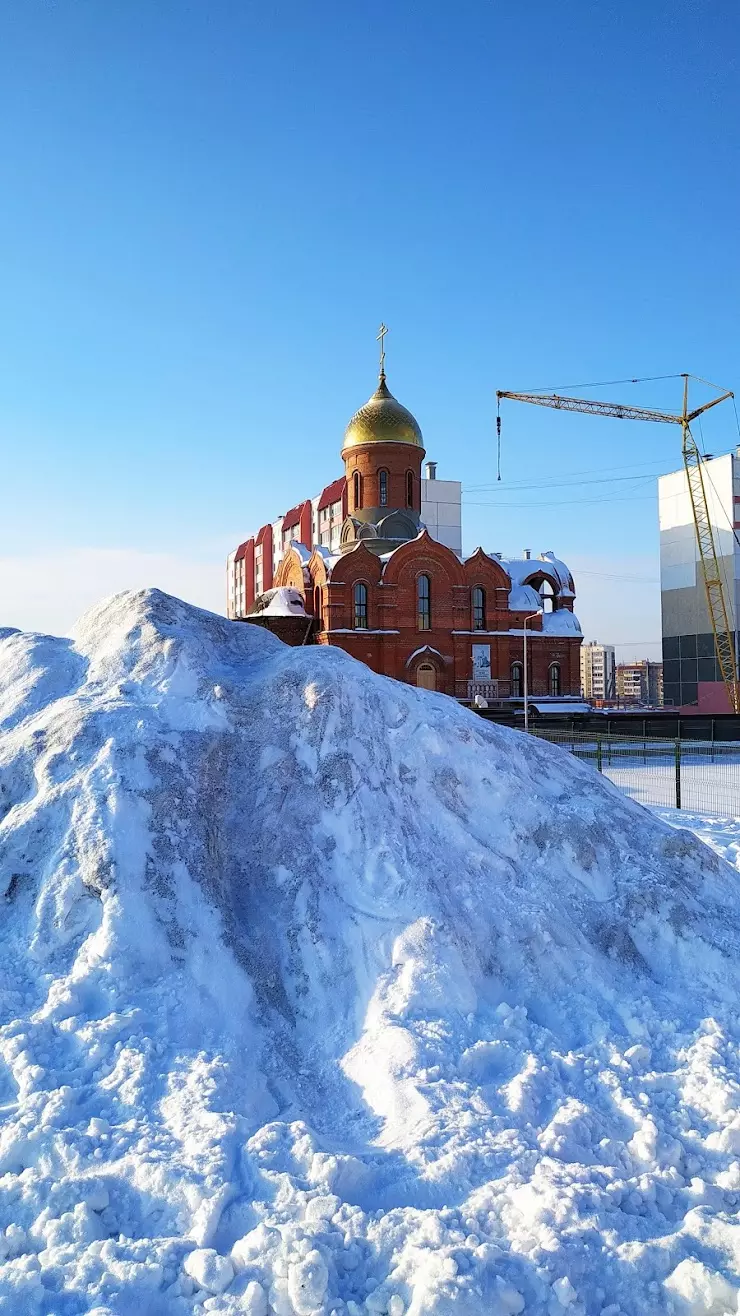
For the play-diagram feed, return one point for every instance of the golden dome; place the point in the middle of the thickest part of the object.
(382, 420)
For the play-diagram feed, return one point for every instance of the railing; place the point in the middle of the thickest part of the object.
(698, 776)
(483, 689)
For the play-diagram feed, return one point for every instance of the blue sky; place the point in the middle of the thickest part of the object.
(208, 207)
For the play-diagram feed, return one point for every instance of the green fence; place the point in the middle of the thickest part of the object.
(698, 776)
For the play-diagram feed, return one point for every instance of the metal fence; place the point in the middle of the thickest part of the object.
(698, 776)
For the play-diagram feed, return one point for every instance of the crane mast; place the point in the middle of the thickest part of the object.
(724, 645)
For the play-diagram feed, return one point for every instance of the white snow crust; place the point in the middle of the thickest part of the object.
(320, 995)
(283, 601)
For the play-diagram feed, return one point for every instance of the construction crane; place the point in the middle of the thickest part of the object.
(716, 602)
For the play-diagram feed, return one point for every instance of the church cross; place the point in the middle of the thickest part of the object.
(381, 339)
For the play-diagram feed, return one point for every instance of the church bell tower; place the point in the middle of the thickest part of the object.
(382, 452)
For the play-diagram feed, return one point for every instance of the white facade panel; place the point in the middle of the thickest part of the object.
(441, 512)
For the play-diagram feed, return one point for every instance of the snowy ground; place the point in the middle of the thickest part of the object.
(320, 995)
(705, 787)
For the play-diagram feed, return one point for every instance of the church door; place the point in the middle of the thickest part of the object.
(426, 677)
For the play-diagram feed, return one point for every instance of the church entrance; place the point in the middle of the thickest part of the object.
(426, 677)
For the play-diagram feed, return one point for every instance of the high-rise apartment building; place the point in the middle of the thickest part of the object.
(640, 683)
(597, 671)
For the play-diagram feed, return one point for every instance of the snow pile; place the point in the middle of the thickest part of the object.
(319, 995)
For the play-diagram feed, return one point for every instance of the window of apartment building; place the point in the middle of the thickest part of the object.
(479, 609)
(423, 603)
(360, 598)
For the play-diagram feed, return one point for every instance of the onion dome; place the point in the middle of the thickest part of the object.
(382, 420)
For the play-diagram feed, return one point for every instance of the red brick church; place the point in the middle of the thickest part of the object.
(377, 583)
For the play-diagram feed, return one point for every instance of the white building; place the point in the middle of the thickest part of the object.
(597, 670)
(441, 508)
(691, 676)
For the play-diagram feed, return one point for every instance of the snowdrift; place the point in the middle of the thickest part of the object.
(320, 995)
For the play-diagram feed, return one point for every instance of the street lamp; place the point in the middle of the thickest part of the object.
(531, 617)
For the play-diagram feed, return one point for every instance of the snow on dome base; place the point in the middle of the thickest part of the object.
(324, 979)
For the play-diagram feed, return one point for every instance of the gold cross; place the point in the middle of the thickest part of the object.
(381, 339)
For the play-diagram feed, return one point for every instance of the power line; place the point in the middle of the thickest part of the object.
(617, 575)
(566, 484)
(591, 470)
(565, 502)
(607, 383)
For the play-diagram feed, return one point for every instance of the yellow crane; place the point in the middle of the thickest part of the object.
(716, 602)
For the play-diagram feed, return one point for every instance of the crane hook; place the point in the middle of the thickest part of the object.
(498, 441)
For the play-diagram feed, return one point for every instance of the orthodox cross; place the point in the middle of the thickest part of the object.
(381, 339)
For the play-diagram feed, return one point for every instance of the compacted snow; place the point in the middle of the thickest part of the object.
(318, 994)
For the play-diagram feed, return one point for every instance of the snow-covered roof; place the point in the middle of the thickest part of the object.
(561, 622)
(524, 598)
(560, 706)
(522, 570)
(284, 601)
(562, 571)
(303, 553)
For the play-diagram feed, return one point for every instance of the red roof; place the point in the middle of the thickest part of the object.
(241, 550)
(292, 517)
(332, 493)
(261, 534)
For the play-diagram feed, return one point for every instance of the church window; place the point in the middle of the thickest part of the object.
(423, 603)
(317, 612)
(360, 597)
(382, 488)
(479, 609)
(547, 594)
(357, 490)
(516, 680)
(409, 488)
(554, 678)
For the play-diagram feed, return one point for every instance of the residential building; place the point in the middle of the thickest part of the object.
(597, 671)
(640, 683)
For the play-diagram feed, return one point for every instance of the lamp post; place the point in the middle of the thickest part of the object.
(531, 617)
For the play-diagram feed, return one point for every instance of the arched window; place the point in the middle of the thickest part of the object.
(479, 609)
(357, 490)
(317, 607)
(554, 678)
(547, 594)
(517, 673)
(424, 603)
(360, 597)
(409, 488)
(382, 488)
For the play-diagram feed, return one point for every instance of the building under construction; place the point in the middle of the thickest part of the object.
(692, 679)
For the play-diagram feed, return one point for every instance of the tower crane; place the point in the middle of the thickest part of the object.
(693, 464)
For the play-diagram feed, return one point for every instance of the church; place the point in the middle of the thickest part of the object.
(374, 564)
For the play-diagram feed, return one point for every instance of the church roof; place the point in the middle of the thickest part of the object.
(382, 419)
